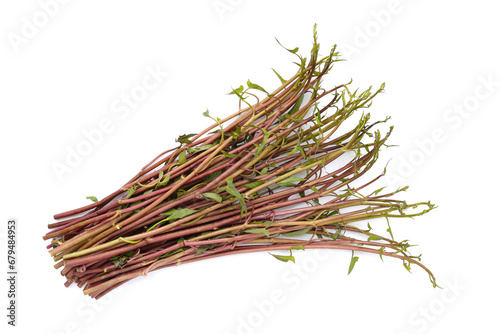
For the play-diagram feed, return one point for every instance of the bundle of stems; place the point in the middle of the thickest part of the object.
(275, 175)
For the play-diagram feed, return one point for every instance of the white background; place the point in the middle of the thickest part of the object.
(68, 74)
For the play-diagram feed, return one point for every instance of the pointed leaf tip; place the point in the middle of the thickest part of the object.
(92, 198)
(284, 258)
(213, 196)
(255, 86)
(354, 259)
(279, 76)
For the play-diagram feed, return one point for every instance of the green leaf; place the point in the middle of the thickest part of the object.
(168, 212)
(131, 191)
(346, 194)
(267, 222)
(207, 114)
(389, 229)
(227, 155)
(317, 116)
(302, 152)
(289, 50)
(122, 259)
(336, 234)
(165, 181)
(203, 248)
(407, 265)
(119, 262)
(284, 258)
(193, 150)
(295, 150)
(237, 91)
(92, 198)
(255, 86)
(181, 213)
(173, 214)
(288, 181)
(379, 190)
(253, 184)
(380, 251)
(354, 259)
(212, 176)
(315, 189)
(213, 196)
(182, 157)
(279, 76)
(295, 120)
(374, 237)
(258, 231)
(297, 104)
(296, 247)
(264, 142)
(297, 233)
(184, 139)
(231, 189)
